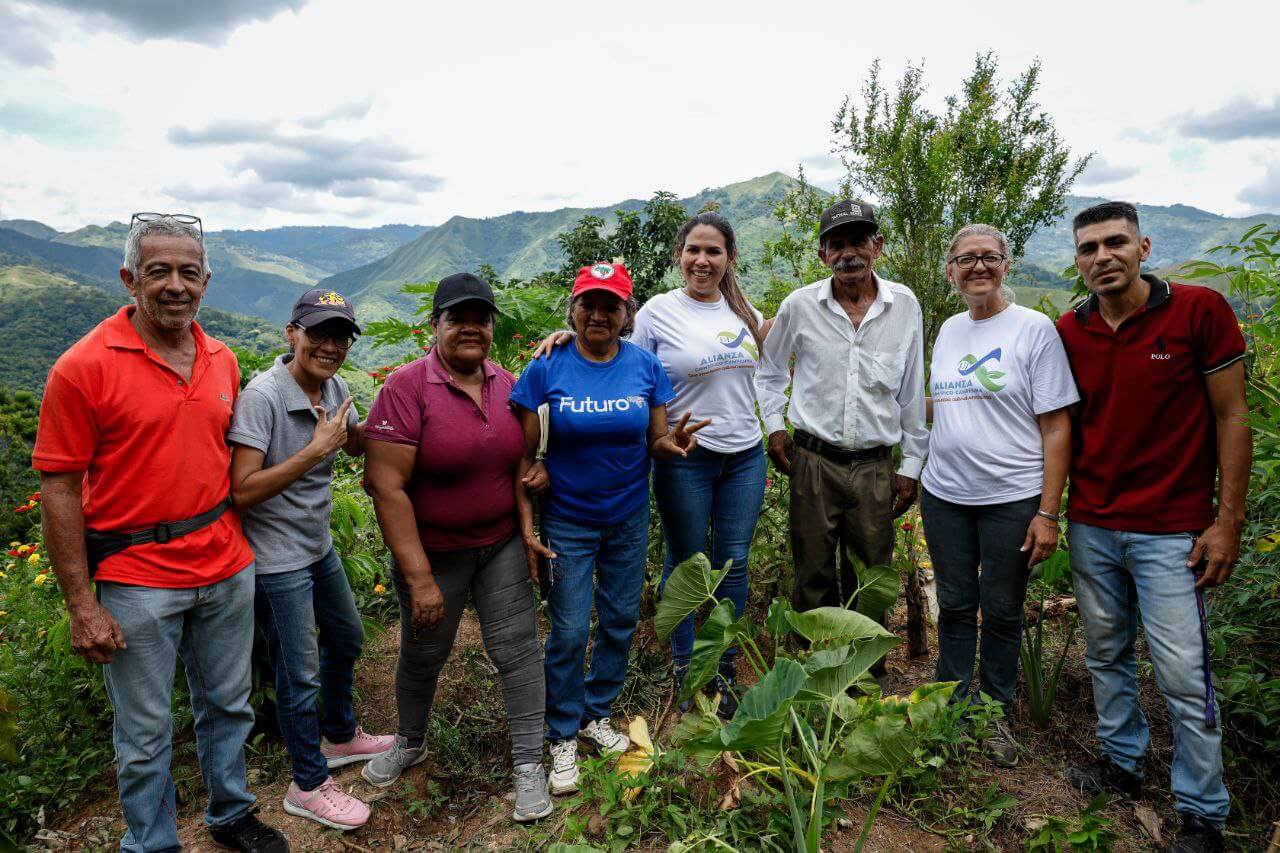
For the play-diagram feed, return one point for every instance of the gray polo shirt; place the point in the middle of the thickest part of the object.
(273, 414)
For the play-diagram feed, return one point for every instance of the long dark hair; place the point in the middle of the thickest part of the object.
(733, 295)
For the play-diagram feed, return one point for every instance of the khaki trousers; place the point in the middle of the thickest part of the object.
(835, 505)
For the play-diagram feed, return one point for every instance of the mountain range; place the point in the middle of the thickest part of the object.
(259, 273)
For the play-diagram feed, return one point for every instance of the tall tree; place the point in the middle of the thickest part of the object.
(993, 156)
(641, 239)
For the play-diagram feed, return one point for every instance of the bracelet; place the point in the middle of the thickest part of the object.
(1049, 515)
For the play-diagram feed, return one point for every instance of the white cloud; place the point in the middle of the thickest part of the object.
(1240, 119)
(1101, 172)
(302, 112)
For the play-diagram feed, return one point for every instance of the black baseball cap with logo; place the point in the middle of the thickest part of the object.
(461, 287)
(847, 212)
(316, 306)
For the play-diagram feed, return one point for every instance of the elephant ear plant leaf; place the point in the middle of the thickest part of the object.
(833, 671)
(765, 708)
(832, 626)
(690, 584)
(716, 635)
(877, 586)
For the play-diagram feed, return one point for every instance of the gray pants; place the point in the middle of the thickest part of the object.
(497, 580)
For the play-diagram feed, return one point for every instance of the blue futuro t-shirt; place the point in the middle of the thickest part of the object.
(598, 452)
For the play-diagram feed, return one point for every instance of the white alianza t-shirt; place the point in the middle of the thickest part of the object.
(710, 358)
(989, 379)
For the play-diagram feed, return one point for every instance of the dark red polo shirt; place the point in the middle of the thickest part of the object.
(153, 448)
(462, 486)
(1144, 455)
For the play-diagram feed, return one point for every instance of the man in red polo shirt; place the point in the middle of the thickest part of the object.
(131, 448)
(1162, 411)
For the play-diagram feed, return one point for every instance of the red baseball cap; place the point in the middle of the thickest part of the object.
(602, 276)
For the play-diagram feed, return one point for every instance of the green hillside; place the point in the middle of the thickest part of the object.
(44, 309)
(30, 228)
(523, 244)
(328, 249)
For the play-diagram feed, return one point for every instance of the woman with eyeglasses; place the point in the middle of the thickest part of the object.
(289, 424)
(1000, 386)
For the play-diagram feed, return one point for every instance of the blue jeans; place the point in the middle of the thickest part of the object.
(604, 564)
(211, 627)
(962, 538)
(722, 491)
(1118, 574)
(290, 607)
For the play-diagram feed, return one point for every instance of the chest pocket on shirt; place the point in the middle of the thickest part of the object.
(885, 374)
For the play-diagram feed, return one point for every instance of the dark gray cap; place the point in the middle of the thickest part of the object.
(316, 306)
(461, 287)
(847, 212)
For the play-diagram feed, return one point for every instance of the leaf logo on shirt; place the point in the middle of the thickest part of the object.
(976, 366)
(728, 339)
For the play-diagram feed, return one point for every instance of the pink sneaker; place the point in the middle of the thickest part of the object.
(362, 747)
(328, 804)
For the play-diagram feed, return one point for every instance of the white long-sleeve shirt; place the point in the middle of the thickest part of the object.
(855, 388)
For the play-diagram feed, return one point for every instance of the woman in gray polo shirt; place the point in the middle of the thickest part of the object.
(288, 426)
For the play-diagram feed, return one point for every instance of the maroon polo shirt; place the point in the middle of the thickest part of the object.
(1144, 455)
(462, 486)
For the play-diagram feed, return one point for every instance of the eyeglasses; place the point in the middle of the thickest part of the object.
(184, 218)
(341, 340)
(968, 262)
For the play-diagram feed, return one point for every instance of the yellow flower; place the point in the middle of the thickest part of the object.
(14, 544)
(40, 579)
(925, 564)
(3, 613)
(22, 549)
(34, 558)
(379, 589)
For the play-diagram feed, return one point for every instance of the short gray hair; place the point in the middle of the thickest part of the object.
(628, 325)
(981, 229)
(165, 226)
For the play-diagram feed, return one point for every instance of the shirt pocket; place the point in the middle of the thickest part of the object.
(884, 374)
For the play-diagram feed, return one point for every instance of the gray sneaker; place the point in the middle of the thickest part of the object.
(386, 767)
(1002, 749)
(532, 799)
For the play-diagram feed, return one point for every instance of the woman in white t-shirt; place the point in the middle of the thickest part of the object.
(708, 337)
(999, 390)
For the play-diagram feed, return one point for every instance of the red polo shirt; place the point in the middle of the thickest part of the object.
(1145, 455)
(152, 446)
(463, 481)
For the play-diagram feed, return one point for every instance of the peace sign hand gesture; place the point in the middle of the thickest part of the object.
(679, 441)
(330, 434)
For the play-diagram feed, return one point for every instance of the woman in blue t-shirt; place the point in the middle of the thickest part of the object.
(607, 414)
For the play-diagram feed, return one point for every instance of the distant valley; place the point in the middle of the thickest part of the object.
(54, 286)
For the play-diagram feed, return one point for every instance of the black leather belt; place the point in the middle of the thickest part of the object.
(838, 454)
(100, 544)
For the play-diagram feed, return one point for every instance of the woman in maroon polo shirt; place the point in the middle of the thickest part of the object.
(443, 446)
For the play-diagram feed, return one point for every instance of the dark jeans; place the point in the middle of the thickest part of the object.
(291, 606)
(722, 491)
(962, 538)
(600, 565)
(496, 580)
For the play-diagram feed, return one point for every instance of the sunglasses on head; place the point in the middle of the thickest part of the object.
(184, 218)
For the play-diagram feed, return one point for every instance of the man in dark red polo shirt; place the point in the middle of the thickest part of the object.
(132, 447)
(1161, 376)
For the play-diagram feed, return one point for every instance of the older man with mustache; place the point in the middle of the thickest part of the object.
(133, 464)
(857, 389)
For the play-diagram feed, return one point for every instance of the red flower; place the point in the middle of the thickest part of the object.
(14, 552)
(34, 496)
(417, 331)
(22, 509)
(768, 482)
(373, 373)
(517, 336)
(908, 526)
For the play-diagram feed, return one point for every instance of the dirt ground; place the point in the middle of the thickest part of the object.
(425, 811)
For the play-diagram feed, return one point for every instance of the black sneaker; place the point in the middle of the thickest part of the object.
(726, 680)
(1197, 836)
(251, 835)
(1105, 775)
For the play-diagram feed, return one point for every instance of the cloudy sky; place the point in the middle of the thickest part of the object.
(256, 113)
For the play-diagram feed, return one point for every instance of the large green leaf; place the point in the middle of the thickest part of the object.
(697, 735)
(763, 710)
(691, 584)
(775, 622)
(877, 587)
(717, 633)
(927, 701)
(833, 671)
(829, 626)
(880, 743)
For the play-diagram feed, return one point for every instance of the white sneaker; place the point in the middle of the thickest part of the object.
(564, 767)
(604, 737)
